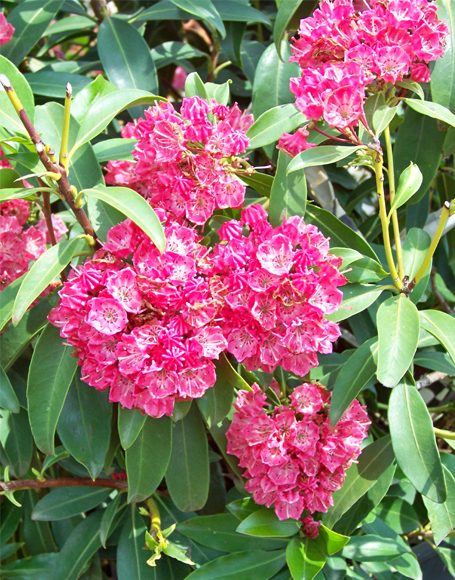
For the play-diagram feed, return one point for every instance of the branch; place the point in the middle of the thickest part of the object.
(21, 484)
(53, 167)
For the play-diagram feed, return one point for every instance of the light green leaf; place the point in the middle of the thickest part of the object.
(8, 397)
(264, 523)
(88, 96)
(289, 192)
(113, 149)
(356, 298)
(66, 502)
(194, 86)
(133, 206)
(50, 375)
(415, 248)
(442, 326)
(414, 442)
(269, 126)
(148, 457)
(187, 476)
(321, 155)
(409, 183)
(130, 423)
(252, 565)
(430, 109)
(398, 514)
(398, 334)
(44, 271)
(8, 116)
(370, 548)
(205, 10)
(260, 182)
(286, 11)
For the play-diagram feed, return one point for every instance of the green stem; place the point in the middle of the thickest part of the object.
(445, 214)
(378, 171)
(442, 408)
(443, 434)
(395, 223)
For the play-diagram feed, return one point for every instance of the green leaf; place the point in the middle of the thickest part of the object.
(49, 83)
(16, 441)
(339, 233)
(126, 57)
(111, 516)
(442, 327)
(398, 334)
(219, 92)
(413, 86)
(430, 109)
(269, 126)
(219, 533)
(443, 70)
(253, 565)
(371, 548)
(148, 457)
(50, 375)
(414, 442)
(105, 109)
(355, 375)
(9, 521)
(378, 113)
(415, 248)
(88, 96)
(8, 116)
(187, 476)
(30, 19)
(398, 514)
(7, 298)
(264, 523)
(130, 423)
(66, 502)
(360, 477)
(194, 86)
(260, 182)
(435, 361)
(39, 567)
(289, 192)
(409, 183)
(205, 10)
(321, 155)
(80, 429)
(81, 545)
(8, 397)
(356, 298)
(286, 11)
(135, 207)
(44, 271)
(174, 52)
(113, 149)
(131, 556)
(234, 11)
(217, 402)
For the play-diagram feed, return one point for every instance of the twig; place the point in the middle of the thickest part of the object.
(20, 484)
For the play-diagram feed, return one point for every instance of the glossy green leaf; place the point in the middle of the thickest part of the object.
(442, 326)
(148, 457)
(80, 429)
(398, 334)
(409, 183)
(412, 86)
(131, 556)
(434, 110)
(264, 523)
(187, 476)
(252, 565)
(111, 516)
(286, 10)
(443, 71)
(194, 86)
(217, 402)
(81, 545)
(8, 116)
(260, 182)
(30, 19)
(205, 10)
(289, 192)
(134, 207)
(442, 515)
(415, 248)
(339, 233)
(39, 567)
(435, 361)
(174, 52)
(130, 423)
(8, 397)
(113, 149)
(370, 548)
(44, 271)
(269, 126)
(220, 92)
(360, 477)
(398, 514)
(49, 83)
(126, 57)
(7, 298)
(355, 375)
(16, 441)
(50, 375)
(88, 96)
(219, 532)
(322, 155)
(9, 521)
(356, 298)
(414, 442)
(66, 502)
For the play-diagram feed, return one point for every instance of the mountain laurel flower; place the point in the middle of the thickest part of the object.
(6, 30)
(344, 50)
(279, 284)
(186, 163)
(293, 458)
(144, 325)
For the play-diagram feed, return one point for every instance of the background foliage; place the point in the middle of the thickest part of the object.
(398, 503)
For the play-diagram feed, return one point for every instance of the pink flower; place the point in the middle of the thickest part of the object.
(295, 143)
(293, 459)
(6, 30)
(106, 315)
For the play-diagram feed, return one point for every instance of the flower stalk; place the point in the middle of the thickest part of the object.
(445, 214)
(66, 128)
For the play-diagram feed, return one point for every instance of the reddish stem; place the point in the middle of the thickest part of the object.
(21, 484)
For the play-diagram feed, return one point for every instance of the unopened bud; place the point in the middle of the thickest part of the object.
(4, 80)
(69, 90)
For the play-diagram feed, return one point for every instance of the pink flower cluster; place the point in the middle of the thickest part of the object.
(347, 46)
(294, 460)
(279, 283)
(20, 244)
(185, 162)
(144, 324)
(6, 30)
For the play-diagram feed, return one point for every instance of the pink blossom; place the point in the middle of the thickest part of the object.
(6, 30)
(293, 458)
